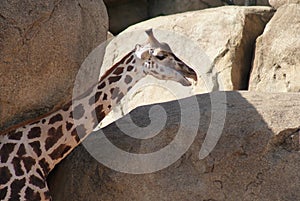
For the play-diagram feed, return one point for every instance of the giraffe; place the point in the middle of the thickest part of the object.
(30, 151)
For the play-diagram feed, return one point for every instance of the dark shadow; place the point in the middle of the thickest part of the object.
(248, 162)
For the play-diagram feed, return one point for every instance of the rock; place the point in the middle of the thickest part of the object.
(276, 65)
(256, 157)
(167, 7)
(125, 13)
(258, 2)
(42, 45)
(218, 43)
(109, 35)
(277, 3)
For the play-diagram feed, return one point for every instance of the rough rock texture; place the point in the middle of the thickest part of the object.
(258, 2)
(123, 13)
(277, 3)
(276, 65)
(166, 7)
(42, 45)
(218, 43)
(256, 158)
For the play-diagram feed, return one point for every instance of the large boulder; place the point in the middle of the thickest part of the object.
(277, 3)
(123, 13)
(218, 43)
(167, 7)
(276, 66)
(256, 156)
(42, 45)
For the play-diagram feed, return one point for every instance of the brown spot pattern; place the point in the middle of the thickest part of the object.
(21, 151)
(102, 85)
(78, 111)
(34, 132)
(60, 151)
(79, 132)
(95, 98)
(129, 68)
(54, 136)
(40, 173)
(5, 151)
(55, 118)
(69, 126)
(71, 115)
(119, 70)
(31, 195)
(17, 166)
(74, 133)
(120, 96)
(98, 114)
(16, 188)
(45, 166)
(114, 79)
(36, 146)
(13, 135)
(104, 97)
(3, 192)
(128, 79)
(129, 59)
(37, 182)
(28, 163)
(5, 175)
(114, 92)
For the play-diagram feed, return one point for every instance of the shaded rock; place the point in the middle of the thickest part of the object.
(276, 66)
(277, 3)
(125, 13)
(255, 158)
(42, 45)
(258, 2)
(218, 43)
(167, 7)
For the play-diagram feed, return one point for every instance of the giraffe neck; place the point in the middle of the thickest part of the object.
(52, 138)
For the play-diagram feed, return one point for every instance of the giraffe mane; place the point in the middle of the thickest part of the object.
(110, 70)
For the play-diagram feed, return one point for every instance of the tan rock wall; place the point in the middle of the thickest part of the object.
(42, 45)
(276, 65)
(256, 158)
(277, 3)
(123, 13)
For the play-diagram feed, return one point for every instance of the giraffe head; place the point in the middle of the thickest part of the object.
(159, 61)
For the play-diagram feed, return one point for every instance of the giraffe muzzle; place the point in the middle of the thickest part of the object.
(188, 72)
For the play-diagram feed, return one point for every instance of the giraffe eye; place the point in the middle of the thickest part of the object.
(161, 57)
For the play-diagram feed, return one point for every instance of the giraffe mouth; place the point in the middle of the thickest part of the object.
(189, 75)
